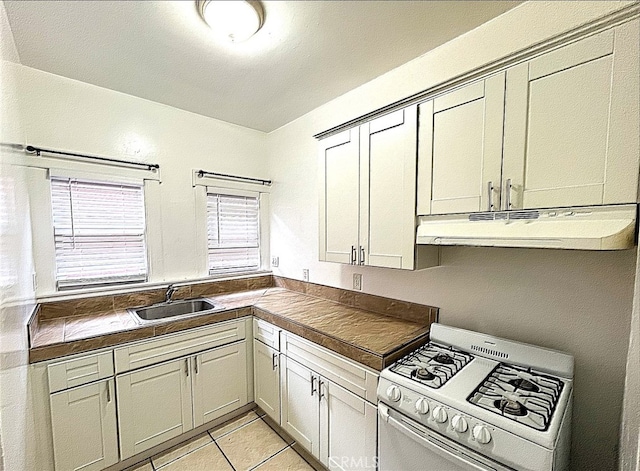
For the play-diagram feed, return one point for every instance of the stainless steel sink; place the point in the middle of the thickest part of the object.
(182, 308)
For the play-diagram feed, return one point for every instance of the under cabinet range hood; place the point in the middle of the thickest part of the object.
(581, 228)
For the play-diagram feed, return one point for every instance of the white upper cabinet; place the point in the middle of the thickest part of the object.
(339, 196)
(388, 190)
(368, 194)
(461, 149)
(560, 129)
(571, 124)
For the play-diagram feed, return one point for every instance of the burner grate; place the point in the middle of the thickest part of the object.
(432, 365)
(519, 394)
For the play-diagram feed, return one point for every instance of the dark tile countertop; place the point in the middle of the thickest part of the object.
(371, 338)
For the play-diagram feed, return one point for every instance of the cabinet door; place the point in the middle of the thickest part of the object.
(219, 382)
(460, 149)
(154, 405)
(339, 203)
(84, 427)
(571, 124)
(266, 380)
(348, 429)
(300, 404)
(388, 190)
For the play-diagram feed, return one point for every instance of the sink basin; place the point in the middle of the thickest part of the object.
(182, 308)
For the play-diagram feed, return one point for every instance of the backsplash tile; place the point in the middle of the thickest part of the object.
(369, 302)
(140, 298)
(75, 307)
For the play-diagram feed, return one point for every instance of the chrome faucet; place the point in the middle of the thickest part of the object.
(170, 290)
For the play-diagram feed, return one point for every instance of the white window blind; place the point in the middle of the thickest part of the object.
(99, 230)
(233, 233)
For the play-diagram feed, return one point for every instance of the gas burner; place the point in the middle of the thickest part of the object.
(523, 395)
(432, 365)
(444, 359)
(424, 374)
(510, 407)
(525, 385)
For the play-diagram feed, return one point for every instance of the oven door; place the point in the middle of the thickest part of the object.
(405, 445)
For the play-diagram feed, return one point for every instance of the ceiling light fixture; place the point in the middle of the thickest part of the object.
(234, 20)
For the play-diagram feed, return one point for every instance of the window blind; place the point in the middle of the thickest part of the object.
(99, 231)
(233, 233)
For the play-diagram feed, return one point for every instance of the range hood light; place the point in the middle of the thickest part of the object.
(234, 20)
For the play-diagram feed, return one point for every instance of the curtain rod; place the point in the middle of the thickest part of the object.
(202, 173)
(37, 151)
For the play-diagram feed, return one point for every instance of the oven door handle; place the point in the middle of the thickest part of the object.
(424, 438)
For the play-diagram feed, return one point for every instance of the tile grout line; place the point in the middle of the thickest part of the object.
(289, 445)
(185, 443)
(222, 451)
(267, 459)
(235, 429)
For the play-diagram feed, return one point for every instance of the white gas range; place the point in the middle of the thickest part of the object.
(469, 401)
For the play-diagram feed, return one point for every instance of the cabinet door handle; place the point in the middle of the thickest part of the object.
(274, 358)
(196, 364)
(186, 366)
(108, 391)
(320, 393)
(490, 191)
(361, 255)
(313, 384)
(353, 255)
(507, 191)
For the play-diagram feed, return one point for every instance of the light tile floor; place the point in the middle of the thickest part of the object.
(245, 443)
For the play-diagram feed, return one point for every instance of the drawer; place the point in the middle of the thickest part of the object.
(355, 378)
(78, 371)
(267, 333)
(149, 352)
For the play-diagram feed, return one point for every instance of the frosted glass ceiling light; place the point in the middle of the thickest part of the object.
(234, 20)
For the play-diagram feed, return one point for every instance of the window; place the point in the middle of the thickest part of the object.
(99, 230)
(233, 233)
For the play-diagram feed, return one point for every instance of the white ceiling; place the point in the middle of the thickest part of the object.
(307, 53)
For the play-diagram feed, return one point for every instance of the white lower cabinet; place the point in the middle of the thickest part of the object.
(266, 379)
(300, 405)
(163, 401)
(154, 405)
(84, 427)
(348, 429)
(336, 426)
(219, 382)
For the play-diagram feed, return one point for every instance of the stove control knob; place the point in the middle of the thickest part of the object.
(459, 424)
(481, 434)
(422, 406)
(393, 393)
(439, 414)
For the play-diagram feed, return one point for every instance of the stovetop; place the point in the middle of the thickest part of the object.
(520, 394)
(432, 365)
(483, 380)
